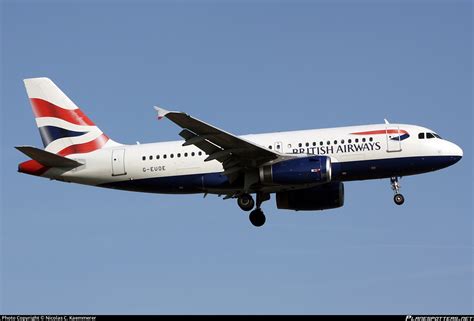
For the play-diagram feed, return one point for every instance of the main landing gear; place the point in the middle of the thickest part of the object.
(398, 198)
(246, 203)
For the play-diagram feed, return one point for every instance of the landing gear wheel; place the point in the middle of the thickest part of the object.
(246, 202)
(399, 199)
(257, 218)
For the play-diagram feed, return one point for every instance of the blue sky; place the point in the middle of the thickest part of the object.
(247, 67)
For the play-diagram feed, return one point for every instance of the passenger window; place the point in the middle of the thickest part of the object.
(357, 140)
(143, 157)
(192, 154)
(270, 147)
(335, 142)
(151, 157)
(179, 155)
(278, 146)
(157, 156)
(349, 141)
(429, 135)
(314, 143)
(164, 156)
(370, 139)
(421, 136)
(185, 154)
(200, 153)
(321, 143)
(328, 142)
(171, 156)
(307, 144)
(342, 141)
(299, 145)
(363, 140)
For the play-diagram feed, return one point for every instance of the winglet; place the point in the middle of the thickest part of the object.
(161, 112)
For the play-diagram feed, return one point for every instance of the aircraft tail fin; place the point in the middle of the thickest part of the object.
(63, 127)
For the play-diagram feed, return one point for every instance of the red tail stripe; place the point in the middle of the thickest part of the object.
(85, 147)
(43, 108)
(383, 131)
(32, 167)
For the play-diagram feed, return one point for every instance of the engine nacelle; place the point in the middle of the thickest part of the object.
(303, 170)
(321, 197)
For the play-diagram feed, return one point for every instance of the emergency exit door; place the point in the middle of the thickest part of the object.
(118, 162)
(393, 134)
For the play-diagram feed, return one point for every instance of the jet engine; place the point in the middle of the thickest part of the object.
(302, 170)
(321, 197)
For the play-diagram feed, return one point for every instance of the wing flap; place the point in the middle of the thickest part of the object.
(198, 141)
(203, 135)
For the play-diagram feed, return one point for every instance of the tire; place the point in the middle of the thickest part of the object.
(246, 202)
(399, 199)
(257, 218)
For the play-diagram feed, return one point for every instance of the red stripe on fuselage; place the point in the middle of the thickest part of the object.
(85, 147)
(43, 108)
(383, 131)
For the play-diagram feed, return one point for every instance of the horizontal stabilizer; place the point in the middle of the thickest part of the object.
(46, 158)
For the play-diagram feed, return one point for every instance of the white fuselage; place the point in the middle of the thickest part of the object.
(358, 152)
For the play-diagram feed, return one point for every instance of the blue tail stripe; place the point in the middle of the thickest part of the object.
(51, 133)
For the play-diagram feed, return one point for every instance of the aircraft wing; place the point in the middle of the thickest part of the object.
(235, 154)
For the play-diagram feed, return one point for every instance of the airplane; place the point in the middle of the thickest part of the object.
(305, 169)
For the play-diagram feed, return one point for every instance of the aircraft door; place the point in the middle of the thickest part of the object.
(278, 146)
(393, 135)
(118, 162)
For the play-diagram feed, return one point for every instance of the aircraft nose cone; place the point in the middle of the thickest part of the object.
(456, 154)
(458, 151)
(454, 159)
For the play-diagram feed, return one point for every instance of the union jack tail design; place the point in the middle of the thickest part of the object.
(63, 127)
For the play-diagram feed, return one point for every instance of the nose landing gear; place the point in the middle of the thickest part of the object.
(398, 198)
(246, 203)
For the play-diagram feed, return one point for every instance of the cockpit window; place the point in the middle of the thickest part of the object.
(428, 135)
